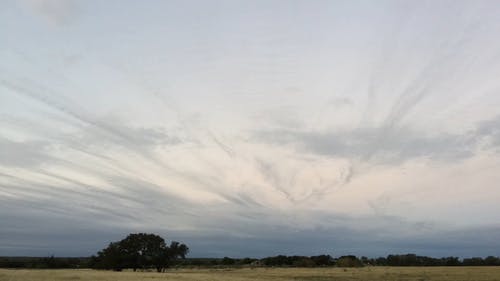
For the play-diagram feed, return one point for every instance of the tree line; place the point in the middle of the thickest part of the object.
(142, 251)
(50, 262)
(275, 261)
(347, 261)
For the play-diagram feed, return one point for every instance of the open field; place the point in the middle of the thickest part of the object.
(247, 274)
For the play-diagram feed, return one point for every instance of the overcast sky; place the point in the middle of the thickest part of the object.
(251, 128)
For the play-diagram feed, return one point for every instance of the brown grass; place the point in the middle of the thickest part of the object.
(274, 274)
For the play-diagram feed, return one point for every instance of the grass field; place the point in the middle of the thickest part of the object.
(247, 274)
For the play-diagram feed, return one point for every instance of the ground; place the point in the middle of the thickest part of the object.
(276, 274)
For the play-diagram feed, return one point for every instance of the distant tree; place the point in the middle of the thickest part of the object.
(303, 262)
(451, 261)
(322, 260)
(365, 260)
(177, 250)
(228, 261)
(491, 260)
(50, 262)
(476, 261)
(349, 261)
(247, 261)
(139, 251)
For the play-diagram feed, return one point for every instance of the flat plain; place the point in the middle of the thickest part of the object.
(255, 274)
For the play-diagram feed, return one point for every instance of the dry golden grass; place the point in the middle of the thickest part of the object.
(275, 274)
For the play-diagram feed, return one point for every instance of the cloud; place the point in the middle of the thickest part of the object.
(375, 144)
(59, 12)
(340, 102)
(26, 154)
(490, 131)
(223, 232)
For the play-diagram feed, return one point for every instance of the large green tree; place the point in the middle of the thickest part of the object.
(139, 251)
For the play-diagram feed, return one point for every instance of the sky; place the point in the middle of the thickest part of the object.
(251, 128)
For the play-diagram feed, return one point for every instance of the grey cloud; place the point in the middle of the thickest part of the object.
(95, 140)
(138, 140)
(129, 193)
(94, 217)
(336, 243)
(76, 235)
(375, 144)
(117, 131)
(93, 135)
(462, 242)
(396, 145)
(268, 170)
(155, 136)
(23, 154)
(58, 12)
(85, 141)
(490, 129)
(62, 200)
(338, 102)
(74, 208)
(223, 146)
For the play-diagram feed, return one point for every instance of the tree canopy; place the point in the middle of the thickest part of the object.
(139, 251)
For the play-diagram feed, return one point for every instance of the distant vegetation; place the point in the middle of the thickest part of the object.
(277, 261)
(44, 263)
(349, 261)
(143, 251)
